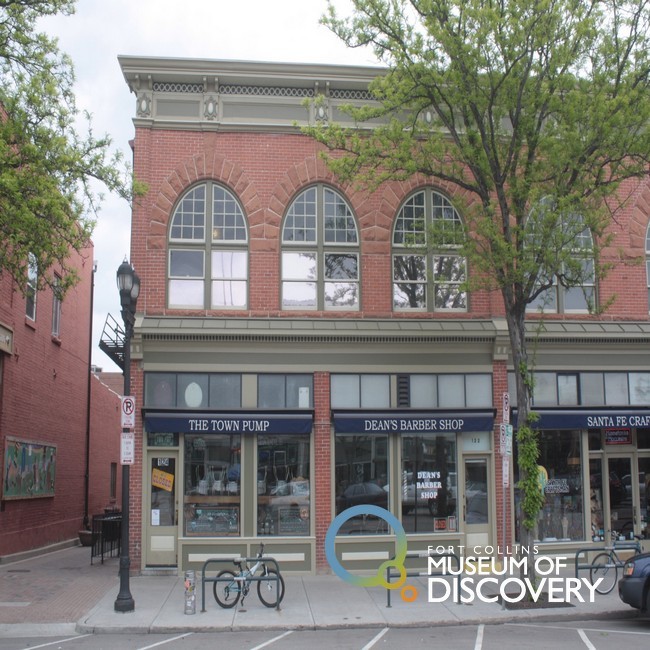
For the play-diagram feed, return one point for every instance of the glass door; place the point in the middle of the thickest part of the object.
(477, 502)
(162, 530)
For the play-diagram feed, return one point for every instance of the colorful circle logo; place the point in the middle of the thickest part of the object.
(400, 550)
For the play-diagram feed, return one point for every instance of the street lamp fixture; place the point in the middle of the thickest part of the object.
(128, 283)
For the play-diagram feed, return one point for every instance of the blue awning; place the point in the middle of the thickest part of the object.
(590, 418)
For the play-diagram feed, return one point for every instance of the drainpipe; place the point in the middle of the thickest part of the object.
(86, 522)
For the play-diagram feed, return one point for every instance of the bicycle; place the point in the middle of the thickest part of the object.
(230, 587)
(605, 565)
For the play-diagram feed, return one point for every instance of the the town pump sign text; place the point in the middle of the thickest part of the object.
(248, 423)
(218, 425)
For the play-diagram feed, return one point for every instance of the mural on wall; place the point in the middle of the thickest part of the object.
(29, 469)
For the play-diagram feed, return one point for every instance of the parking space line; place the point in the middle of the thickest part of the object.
(273, 640)
(587, 629)
(373, 641)
(586, 641)
(45, 645)
(155, 645)
(479, 637)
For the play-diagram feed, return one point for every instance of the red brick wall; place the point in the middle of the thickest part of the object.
(266, 171)
(104, 447)
(44, 399)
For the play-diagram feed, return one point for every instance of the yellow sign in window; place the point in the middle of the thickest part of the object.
(162, 480)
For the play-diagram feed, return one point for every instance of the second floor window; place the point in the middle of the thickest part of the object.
(31, 290)
(572, 278)
(320, 253)
(56, 307)
(208, 251)
(428, 275)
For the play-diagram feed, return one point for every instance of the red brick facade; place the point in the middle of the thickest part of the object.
(44, 399)
(265, 169)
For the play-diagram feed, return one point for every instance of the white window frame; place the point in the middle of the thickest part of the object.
(410, 234)
(315, 242)
(224, 230)
(32, 287)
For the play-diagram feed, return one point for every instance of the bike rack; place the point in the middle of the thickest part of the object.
(233, 560)
(411, 574)
(618, 546)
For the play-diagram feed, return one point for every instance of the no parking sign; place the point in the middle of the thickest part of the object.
(128, 412)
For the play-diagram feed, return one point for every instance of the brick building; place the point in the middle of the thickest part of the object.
(58, 421)
(293, 358)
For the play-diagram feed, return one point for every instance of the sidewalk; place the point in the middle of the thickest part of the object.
(61, 593)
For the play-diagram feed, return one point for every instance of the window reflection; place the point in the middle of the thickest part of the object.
(428, 217)
(321, 278)
(429, 485)
(283, 487)
(360, 476)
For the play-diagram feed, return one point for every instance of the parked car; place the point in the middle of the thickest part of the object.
(362, 493)
(634, 586)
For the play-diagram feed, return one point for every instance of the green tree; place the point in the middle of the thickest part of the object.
(536, 110)
(48, 171)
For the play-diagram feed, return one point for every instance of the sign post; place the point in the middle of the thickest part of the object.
(505, 449)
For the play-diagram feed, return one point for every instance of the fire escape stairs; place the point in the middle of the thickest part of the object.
(112, 341)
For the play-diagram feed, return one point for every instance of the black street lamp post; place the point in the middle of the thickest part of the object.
(129, 285)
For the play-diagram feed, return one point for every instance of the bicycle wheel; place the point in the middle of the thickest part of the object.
(604, 566)
(226, 592)
(267, 590)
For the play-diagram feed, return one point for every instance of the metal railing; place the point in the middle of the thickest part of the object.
(106, 536)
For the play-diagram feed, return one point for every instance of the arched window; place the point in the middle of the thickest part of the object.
(208, 251)
(320, 252)
(647, 261)
(426, 278)
(573, 276)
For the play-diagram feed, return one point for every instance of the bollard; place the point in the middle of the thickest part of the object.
(190, 592)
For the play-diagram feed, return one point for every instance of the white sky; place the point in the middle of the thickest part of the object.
(100, 30)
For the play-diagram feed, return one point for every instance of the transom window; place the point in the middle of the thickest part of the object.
(208, 251)
(320, 252)
(428, 278)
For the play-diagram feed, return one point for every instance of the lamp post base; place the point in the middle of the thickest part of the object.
(124, 604)
(124, 601)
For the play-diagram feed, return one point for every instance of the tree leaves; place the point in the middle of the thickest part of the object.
(49, 173)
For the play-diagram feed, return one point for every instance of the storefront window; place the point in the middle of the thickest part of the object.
(562, 515)
(429, 483)
(212, 486)
(283, 487)
(362, 478)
